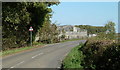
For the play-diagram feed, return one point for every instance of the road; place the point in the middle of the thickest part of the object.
(49, 56)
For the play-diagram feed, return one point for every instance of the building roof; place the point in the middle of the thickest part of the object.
(69, 28)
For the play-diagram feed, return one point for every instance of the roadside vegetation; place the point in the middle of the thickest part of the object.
(74, 58)
(17, 17)
(101, 52)
(101, 55)
(22, 49)
(94, 55)
(35, 45)
(13, 51)
(107, 28)
(74, 39)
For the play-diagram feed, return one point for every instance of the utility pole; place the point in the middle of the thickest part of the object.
(31, 29)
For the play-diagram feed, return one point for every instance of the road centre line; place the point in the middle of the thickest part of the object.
(24, 61)
(58, 67)
(17, 64)
(40, 53)
(37, 55)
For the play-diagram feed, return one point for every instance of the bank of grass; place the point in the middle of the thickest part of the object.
(16, 50)
(74, 58)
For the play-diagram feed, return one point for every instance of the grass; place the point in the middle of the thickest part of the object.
(12, 51)
(73, 59)
(76, 58)
(37, 43)
(73, 39)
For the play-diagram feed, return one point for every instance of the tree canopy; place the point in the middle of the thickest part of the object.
(110, 26)
(17, 17)
(92, 29)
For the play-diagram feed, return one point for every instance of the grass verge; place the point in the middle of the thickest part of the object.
(74, 39)
(74, 58)
(35, 44)
(16, 50)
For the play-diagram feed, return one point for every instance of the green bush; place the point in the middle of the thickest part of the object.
(101, 55)
(110, 59)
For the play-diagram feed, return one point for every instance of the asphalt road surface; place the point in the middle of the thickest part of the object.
(45, 57)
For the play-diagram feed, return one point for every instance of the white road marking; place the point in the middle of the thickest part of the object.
(11, 67)
(17, 64)
(24, 61)
(34, 56)
(37, 55)
(21, 62)
(40, 54)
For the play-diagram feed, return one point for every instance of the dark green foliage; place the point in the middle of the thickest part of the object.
(94, 55)
(118, 37)
(62, 37)
(110, 60)
(109, 28)
(17, 17)
(48, 33)
(104, 32)
(93, 29)
(109, 36)
(101, 55)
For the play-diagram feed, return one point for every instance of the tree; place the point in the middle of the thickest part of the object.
(17, 17)
(48, 33)
(92, 29)
(110, 27)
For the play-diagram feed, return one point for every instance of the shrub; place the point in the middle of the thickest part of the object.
(101, 55)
